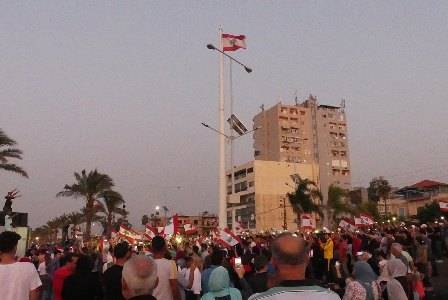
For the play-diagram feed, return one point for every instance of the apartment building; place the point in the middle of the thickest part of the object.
(257, 195)
(306, 133)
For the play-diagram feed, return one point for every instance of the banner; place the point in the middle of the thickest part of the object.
(307, 221)
(347, 225)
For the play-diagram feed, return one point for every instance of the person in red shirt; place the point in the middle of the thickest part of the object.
(356, 244)
(62, 273)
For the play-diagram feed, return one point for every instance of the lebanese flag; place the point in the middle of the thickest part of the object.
(347, 224)
(190, 229)
(233, 42)
(239, 227)
(443, 206)
(151, 231)
(129, 233)
(226, 237)
(358, 221)
(171, 226)
(366, 219)
(307, 221)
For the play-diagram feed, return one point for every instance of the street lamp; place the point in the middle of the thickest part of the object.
(212, 47)
(222, 170)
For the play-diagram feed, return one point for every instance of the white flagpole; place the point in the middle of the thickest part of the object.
(222, 162)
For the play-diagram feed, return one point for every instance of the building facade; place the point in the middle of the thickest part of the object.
(257, 195)
(306, 133)
(406, 202)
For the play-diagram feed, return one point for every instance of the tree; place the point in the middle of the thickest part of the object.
(306, 198)
(336, 201)
(379, 189)
(7, 152)
(369, 207)
(110, 206)
(89, 186)
(430, 212)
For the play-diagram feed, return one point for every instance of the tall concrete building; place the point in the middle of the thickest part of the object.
(306, 133)
(258, 199)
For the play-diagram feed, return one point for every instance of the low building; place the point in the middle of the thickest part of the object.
(204, 222)
(257, 194)
(406, 202)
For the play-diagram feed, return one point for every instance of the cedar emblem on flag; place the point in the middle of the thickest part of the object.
(232, 42)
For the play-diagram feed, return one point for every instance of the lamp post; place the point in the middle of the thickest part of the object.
(222, 170)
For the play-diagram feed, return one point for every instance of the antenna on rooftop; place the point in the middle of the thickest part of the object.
(296, 100)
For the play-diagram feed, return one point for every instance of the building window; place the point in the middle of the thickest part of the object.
(257, 153)
(401, 212)
(251, 183)
(250, 170)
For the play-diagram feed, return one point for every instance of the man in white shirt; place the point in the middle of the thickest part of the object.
(193, 275)
(19, 280)
(166, 271)
(290, 258)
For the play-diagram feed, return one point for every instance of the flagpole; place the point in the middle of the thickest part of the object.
(222, 168)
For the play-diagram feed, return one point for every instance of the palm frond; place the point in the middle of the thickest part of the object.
(13, 168)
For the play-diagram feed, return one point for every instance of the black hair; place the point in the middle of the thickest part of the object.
(121, 249)
(158, 244)
(217, 256)
(8, 240)
(83, 265)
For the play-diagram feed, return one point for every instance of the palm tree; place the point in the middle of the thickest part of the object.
(110, 206)
(336, 202)
(6, 152)
(379, 189)
(89, 186)
(306, 198)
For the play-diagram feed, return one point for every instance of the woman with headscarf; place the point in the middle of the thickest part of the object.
(219, 286)
(363, 286)
(398, 271)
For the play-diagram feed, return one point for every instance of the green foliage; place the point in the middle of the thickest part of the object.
(430, 212)
(306, 197)
(336, 201)
(369, 207)
(379, 188)
(7, 152)
(91, 187)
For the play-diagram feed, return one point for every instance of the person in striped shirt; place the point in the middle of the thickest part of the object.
(290, 258)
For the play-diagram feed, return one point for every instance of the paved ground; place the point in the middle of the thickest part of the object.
(440, 282)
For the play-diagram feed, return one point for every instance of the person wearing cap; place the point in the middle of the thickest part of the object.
(113, 275)
(19, 280)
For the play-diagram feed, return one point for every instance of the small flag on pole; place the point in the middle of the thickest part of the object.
(232, 42)
(443, 206)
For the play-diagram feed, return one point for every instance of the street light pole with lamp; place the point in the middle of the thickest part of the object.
(222, 170)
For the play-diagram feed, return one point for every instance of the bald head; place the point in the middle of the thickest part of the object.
(288, 249)
(139, 276)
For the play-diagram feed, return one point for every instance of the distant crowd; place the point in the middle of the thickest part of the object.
(391, 262)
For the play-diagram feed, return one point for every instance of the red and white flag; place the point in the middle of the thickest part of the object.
(190, 229)
(171, 227)
(307, 221)
(366, 219)
(347, 225)
(129, 233)
(150, 231)
(232, 42)
(443, 206)
(358, 221)
(239, 227)
(226, 237)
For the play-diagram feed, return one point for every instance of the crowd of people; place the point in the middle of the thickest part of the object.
(390, 262)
